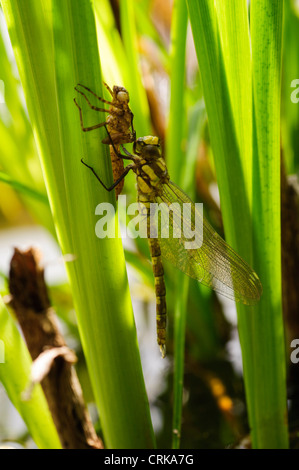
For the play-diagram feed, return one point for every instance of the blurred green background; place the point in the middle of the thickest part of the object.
(148, 47)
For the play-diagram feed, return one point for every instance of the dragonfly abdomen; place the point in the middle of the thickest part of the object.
(150, 178)
(158, 271)
(160, 290)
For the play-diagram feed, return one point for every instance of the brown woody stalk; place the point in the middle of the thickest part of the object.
(53, 360)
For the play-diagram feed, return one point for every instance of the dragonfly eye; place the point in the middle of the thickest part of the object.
(148, 147)
(151, 151)
(138, 146)
(123, 96)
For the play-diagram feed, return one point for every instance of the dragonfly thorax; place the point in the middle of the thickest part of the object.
(151, 176)
(150, 167)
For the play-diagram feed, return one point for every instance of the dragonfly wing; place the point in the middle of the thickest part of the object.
(214, 264)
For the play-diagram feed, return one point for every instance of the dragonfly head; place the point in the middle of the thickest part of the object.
(121, 94)
(148, 147)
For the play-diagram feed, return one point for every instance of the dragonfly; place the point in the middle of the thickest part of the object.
(214, 263)
(119, 124)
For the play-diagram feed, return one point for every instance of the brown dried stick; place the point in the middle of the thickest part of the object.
(47, 347)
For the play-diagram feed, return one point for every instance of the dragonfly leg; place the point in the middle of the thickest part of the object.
(98, 97)
(132, 127)
(95, 108)
(108, 88)
(126, 151)
(128, 155)
(91, 128)
(127, 169)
